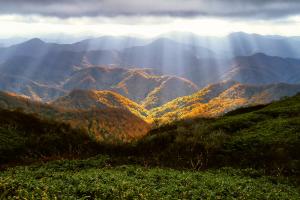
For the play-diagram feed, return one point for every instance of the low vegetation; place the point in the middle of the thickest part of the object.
(96, 179)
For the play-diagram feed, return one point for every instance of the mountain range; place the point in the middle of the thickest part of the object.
(164, 55)
(116, 87)
(45, 71)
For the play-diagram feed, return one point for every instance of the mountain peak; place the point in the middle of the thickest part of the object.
(236, 34)
(32, 43)
(35, 41)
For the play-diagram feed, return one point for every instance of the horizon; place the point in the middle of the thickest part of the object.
(173, 35)
(32, 18)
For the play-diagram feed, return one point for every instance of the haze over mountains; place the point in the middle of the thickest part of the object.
(174, 76)
(27, 67)
(242, 44)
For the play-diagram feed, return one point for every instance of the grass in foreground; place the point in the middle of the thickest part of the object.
(96, 179)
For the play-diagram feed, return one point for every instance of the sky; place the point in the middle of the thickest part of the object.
(145, 18)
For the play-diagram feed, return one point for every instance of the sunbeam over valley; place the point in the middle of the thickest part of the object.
(136, 99)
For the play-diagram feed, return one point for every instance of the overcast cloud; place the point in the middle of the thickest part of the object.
(252, 9)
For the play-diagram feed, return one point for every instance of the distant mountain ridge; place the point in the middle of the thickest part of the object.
(263, 69)
(189, 56)
(163, 54)
(242, 44)
(36, 47)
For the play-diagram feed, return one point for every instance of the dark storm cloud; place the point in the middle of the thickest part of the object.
(182, 8)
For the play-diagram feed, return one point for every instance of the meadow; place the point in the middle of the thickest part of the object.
(95, 178)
